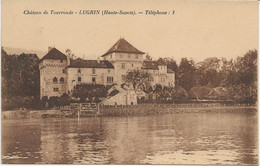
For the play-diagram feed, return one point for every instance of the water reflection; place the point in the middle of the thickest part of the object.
(199, 138)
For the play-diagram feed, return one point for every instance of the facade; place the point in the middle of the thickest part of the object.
(59, 73)
(121, 96)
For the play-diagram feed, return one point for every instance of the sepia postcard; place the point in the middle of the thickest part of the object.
(129, 82)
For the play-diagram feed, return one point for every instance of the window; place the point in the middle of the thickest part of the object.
(123, 66)
(123, 77)
(79, 79)
(105, 58)
(121, 55)
(132, 65)
(55, 80)
(136, 56)
(162, 79)
(61, 61)
(108, 71)
(55, 89)
(129, 55)
(93, 80)
(63, 71)
(109, 79)
(93, 71)
(79, 70)
(61, 80)
(111, 56)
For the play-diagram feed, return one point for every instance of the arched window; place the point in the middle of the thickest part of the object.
(61, 80)
(55, 80)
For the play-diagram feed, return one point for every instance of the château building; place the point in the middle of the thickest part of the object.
(59, 73)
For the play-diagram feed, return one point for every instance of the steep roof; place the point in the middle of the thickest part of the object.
(150, 65)
(54, 54)
(80, 63)
(153, 65)
(123, 46)
(161, 62)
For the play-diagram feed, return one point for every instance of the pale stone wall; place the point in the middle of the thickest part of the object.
(171, 79)
(48, 70)
(87, 75)
(125, 62)
(123, 56)
(161, 77)
(126, 97)
(122, 62)
(162, 69)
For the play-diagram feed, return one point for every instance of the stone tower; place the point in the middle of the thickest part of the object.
(53, 76)
(124, 57)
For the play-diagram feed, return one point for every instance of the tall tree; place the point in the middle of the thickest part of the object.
(138, 79)
(209, 71)
(20, 79)
(186, 76)
(171, 64)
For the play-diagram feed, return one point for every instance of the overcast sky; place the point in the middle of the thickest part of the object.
(197, 29)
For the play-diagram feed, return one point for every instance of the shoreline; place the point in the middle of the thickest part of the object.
(126, 111)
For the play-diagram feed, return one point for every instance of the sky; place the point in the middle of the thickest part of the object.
(197, 30)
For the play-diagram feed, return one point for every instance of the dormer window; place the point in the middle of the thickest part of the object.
(61, 61)
(79, 70)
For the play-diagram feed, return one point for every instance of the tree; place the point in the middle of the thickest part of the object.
(89, 92)
(64, 99)
(138, 79)
(20, 79)
(209, 71)
(200, 92)
(179, 94)
(148, 57)
(171, 64)
(186, 76)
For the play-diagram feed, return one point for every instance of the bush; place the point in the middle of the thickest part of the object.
(53, 101)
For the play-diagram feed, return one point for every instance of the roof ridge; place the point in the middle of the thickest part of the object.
(54, 53)
(123, 46)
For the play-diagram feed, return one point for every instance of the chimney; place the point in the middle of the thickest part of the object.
(68, 56)
(98, 60)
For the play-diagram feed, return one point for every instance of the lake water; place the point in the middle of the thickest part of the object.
(184, 138)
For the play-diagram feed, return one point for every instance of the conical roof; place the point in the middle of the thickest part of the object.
(123, 46)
